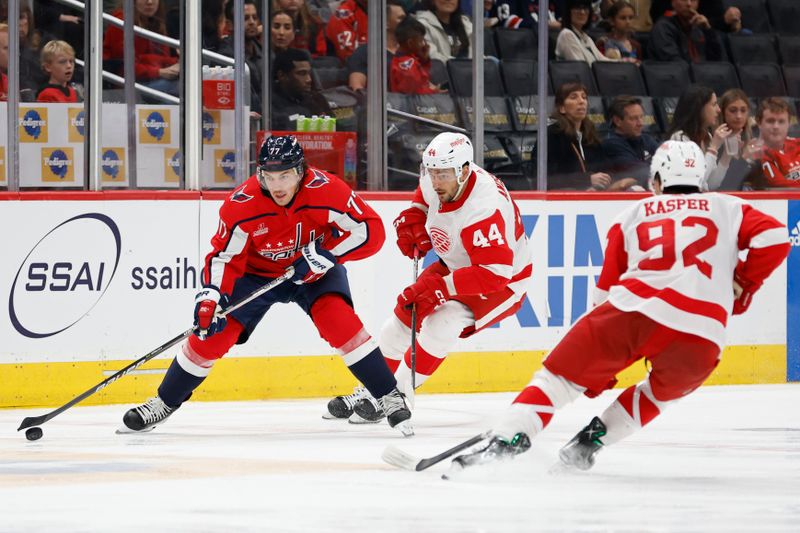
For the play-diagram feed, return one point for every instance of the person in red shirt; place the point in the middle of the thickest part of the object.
(775, 157)
(3, 62)
(347, 28)
(58, 61)
(410, 70)
(288, 215)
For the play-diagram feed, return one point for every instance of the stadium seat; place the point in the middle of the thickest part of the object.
(460, 71)
(516, 44)
(525, 114)
(489, 43)
(719, 75)
(325, 62)
(785, 16)
(762, 80)
(438, 107)
(789, 47)
(757, 48)
(400, 102)
(344, 105)
(754, 14)
(618, 78)
(439, 74)
(495, 156)
(496, 117)
(664, 110)
(597, 114)
(520, 77)
(520, 149)
(791, 75)
(562, 72)
(666, 78)
(327, 77)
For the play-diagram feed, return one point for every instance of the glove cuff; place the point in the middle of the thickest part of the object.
(209, 292)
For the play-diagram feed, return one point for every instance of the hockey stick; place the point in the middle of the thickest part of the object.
(32, 421)
(397, 457)
(411, 394)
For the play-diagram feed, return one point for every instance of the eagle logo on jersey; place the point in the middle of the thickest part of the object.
(240, 196)
(407, 64)
(441, 241)
(317, 181)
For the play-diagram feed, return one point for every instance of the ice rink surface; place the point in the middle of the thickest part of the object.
(724, 459)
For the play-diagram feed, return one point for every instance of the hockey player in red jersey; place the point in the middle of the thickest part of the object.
(468, 218)
(288, 214)
(670, 280)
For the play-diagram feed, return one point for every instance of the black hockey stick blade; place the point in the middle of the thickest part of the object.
(397, 457)
(32, 421)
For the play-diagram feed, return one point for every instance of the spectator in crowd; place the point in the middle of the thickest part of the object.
(518, 14)
(575, 157)
(30, 72)
(309, 30)
(619, 43)
(447, 30)
(573, 43)
(712, 9)
(733, 22)
(212, 22)
(627, 149)
(58, 62)
(357, 62)
(735, 112)
(410, 68)
(156, 65)
(775, 159)
(3, 62)
(347, 28)
(687, 35)
(253, 51)
(281, 32)
(58, 21)
(695, 115)
(292, 91)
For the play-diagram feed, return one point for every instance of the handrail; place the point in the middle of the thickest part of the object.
(443, 125)
(119, 80)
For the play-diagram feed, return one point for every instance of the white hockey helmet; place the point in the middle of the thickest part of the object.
(448, 150)
(679, 163)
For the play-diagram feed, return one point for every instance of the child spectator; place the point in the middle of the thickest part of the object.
(410, 68)
(58, 62)
(618, 43)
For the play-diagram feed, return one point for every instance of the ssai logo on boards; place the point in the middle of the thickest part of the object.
(33, 124)
(211, 127)
(112, 164)
(64, 275)
(224, 166)
(58, 165)
(76, 124)
(172, 165)
(154, 126)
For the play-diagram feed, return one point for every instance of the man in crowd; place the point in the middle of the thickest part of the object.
(775, 161)
(627, 149)
(293, 92)
(686, 35)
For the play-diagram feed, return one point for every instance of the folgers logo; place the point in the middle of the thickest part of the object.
(64, 275)
(172, 165)
(76, 124)
(112, 164)
(211, 127)
(154, 127)
(33, 124)
(58, 165)
(224, 166)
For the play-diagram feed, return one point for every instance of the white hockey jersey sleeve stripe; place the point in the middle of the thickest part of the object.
(769, 237)
(359, 233)
(234, 247)
(504, 271)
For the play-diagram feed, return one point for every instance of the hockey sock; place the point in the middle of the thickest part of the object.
(394, 341)
(632, 410)
(371, 370)
(178, 385)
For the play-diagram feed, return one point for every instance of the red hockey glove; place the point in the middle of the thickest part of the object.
(411, 232)
(742, 302)
(207, 305)
(428, 293)
(312, 263)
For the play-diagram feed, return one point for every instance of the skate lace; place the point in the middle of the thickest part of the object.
(153, 410)
(392, 402)
(352, 399)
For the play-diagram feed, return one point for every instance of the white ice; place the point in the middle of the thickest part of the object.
(724, 459)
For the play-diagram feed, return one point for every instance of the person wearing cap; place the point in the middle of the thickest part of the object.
(287, 218)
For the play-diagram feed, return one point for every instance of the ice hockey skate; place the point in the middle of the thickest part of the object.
(341, 407)
(498, 449)
(580, 452)
(392, 407)
(147, 416)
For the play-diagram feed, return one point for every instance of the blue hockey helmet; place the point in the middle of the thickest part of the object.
(279, 153)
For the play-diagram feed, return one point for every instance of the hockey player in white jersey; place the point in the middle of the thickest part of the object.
(670, 280)
(468, 218)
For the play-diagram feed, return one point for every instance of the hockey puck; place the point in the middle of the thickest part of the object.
(34, 433)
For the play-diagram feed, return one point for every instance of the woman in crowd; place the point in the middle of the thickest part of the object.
(281, 31)
(30, 41)
(736, 113)
(573, 43)
(447, 30)
(156, 64)
(575, 159)
(619, 43)
(695, 119)
(309, 30)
